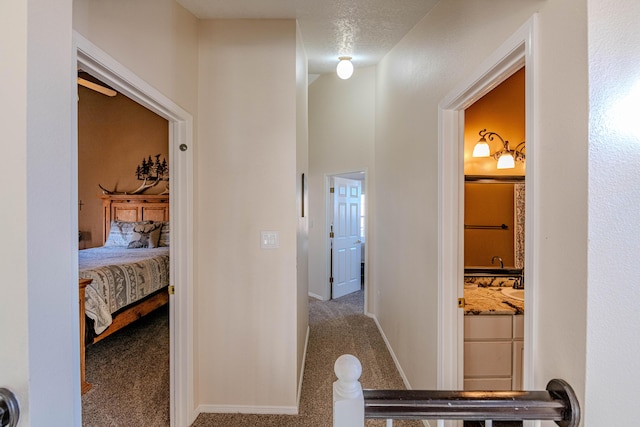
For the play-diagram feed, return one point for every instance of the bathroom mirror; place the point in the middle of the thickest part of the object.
(494, 222)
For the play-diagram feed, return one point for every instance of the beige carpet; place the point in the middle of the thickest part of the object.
(126, 394)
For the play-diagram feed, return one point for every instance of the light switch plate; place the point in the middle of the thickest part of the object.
(269, 240)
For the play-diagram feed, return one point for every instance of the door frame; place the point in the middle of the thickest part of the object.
(337, 245)
(102, 66)
(516, 52)
(328, 220)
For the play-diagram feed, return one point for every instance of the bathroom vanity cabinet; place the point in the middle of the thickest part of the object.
(493, 352)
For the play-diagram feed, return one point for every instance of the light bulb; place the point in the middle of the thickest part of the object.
(506, 161)
(345, 67)
(481, 149)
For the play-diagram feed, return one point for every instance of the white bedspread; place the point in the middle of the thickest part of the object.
(121, 277)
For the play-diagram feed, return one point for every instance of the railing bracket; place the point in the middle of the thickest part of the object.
(560, 389)
(9, 409)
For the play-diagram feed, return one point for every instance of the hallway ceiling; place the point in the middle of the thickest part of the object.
(363, 29)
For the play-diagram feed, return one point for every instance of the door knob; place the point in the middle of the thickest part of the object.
(357, 241)
(9, 409)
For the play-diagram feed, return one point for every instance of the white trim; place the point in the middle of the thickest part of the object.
(316, 296)
(329, 217)
(304, 362)
(99, 64)
(517, 51)
(244, 409)
(326, 250)
(393, 356)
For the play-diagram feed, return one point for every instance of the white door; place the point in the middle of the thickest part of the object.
(346, 245)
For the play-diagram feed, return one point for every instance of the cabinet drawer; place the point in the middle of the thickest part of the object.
(487, 327)
(518, 327)
(487, 359)
(494, 384)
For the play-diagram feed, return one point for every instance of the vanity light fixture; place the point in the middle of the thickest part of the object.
(345, 67)
(506, 157)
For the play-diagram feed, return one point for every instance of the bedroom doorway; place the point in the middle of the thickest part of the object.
(346, 222)
(123, 148)
(179, 134)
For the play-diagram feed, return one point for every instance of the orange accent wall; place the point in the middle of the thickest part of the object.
(502, 111)
(114, 135)
(491, 204)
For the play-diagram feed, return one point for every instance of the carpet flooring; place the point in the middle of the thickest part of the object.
(127, 393)
(129, 372)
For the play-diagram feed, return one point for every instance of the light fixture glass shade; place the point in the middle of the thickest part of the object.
(506, 161)
(345, 67)
(481, 149)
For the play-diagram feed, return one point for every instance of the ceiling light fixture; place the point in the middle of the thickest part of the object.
(345, 67)
(506, 157)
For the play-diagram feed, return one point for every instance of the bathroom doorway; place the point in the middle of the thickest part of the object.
(493, 230)
(516, 52)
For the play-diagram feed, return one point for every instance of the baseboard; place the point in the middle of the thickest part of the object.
(395, 359)
(316, 296)
(194, 415)
(242, 409)
(263, 410)
(393, 355)
(304, 361)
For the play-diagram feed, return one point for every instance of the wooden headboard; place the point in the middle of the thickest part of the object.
(133, 208)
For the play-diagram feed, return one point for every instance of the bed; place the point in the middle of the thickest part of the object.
(127, 277)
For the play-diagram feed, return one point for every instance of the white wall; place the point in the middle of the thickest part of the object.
(562, 185)
(39, 357)
(14, 366)
(341, 132)
(238, 78)
(246, 172)
(443, 49)
(155, 39)
(613, 337)
(302, 166)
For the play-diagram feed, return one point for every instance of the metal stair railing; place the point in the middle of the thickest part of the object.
(352, 405)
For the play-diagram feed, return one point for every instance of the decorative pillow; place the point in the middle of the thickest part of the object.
(164, 234)
(120, 233)
(145, 236)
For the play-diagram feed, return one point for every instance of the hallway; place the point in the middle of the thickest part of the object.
(126, 393)
(336, 327)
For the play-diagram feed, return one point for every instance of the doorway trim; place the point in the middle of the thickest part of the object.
(516, 52)
(102, 66)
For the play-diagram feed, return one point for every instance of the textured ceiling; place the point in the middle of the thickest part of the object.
(363, 29)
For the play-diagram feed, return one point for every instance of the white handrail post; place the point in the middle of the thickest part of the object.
(348, 402)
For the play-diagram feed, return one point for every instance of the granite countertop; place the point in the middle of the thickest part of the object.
(490, 300)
